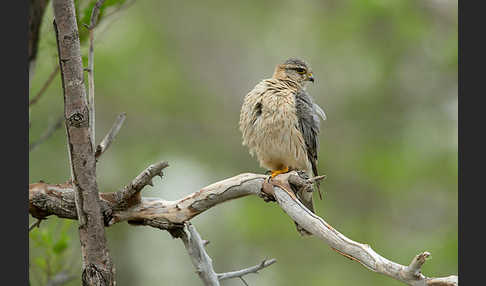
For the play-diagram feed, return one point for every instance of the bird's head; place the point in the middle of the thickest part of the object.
(294, 69)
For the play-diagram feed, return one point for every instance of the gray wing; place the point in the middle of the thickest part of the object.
(309, 124)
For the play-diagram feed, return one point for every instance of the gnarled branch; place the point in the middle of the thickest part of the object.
(194, 245)
(171, 215)
(353, 250)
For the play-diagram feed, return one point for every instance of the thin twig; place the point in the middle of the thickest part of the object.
(91, 89)
(110, 136)
(48, 133)
(244, 282)
(243, 272)
(95, 13)
(45, 86)
(35, 224)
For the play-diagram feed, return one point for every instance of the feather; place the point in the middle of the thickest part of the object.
(308, 115)
(319, 111)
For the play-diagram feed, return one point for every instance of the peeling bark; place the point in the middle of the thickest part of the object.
(171, 216)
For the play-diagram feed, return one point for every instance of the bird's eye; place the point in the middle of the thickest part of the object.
(300, 70)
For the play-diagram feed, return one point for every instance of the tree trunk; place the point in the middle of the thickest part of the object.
(97, 265)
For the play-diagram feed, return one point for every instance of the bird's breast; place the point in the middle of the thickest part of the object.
(278, 138)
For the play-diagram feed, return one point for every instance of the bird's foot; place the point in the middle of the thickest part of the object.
(278, 172)
(267, 191)
(270, 182)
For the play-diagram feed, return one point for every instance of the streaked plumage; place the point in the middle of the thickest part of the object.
(280, 123)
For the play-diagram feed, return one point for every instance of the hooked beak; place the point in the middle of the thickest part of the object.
(310, 77)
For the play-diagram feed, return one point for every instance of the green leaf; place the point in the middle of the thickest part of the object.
(60, 246)
(41, 262)
(46, 237)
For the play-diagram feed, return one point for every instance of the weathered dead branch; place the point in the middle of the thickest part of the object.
(253, 269)
(199, 258)
(171, 215)
(194, 245)
(353, 250)
(130, 195)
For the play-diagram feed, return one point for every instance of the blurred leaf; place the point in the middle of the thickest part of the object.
(46, 237)
(181, 70)
(60, 245)
(86, 16)
(41, 262)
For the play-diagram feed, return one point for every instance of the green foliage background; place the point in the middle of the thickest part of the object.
(386, 76)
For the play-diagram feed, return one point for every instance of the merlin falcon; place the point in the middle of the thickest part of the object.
(280, 123)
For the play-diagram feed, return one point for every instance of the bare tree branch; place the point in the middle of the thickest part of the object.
(44, 86)
(110, 136)
(171, 215)
(243, 272)
(91, 89)
(244, 282)
(194, 245)
(48, 133)
(95, 13)
(199, 257)
(35, 224)
(356, 251)
(97, 264)
(452, 280)
(130, 194)
(416, 264)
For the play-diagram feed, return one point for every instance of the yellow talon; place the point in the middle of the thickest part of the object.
(278, 172)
